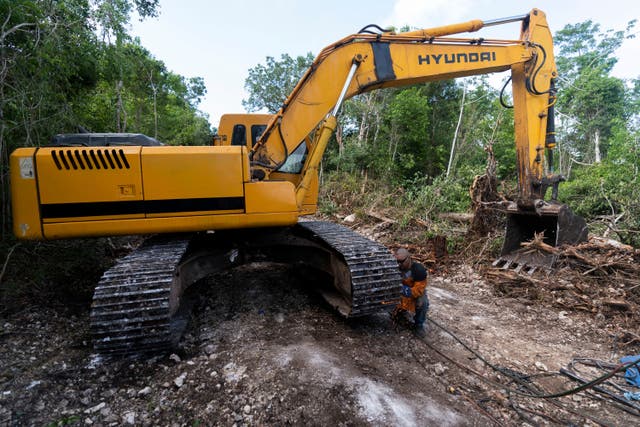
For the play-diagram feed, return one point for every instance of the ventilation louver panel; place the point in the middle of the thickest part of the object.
(83, 158)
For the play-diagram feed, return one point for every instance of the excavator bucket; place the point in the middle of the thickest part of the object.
(555, 222)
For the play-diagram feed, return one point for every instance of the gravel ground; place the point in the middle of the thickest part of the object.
(262, 349)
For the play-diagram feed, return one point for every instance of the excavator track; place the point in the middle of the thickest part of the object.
(132, 304)
(135, 303)
(375, 279)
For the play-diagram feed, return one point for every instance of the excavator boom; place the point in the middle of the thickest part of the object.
(365, 62)
(394, 60)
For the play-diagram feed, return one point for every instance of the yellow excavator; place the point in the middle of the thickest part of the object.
(240, 200)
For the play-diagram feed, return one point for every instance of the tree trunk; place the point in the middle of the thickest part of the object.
(394, 145)
(154, 89)
(455, 134)
(121, 114)
(155, 112)
(377, 124)
(364, 121)
(484, 194)
(596, 143)
(118, 105)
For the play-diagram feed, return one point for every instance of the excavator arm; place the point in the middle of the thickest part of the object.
(367, 61)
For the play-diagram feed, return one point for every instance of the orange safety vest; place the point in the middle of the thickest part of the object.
(416, 279)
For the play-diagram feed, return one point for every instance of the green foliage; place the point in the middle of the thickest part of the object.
(426, 198)
(609, 192)
(486, 123)
(582, 47)
(356, 156)
(408, 118)
(416, 202)
(444, 97)
(270, 84)
(112, 16)
(137, 93)
(591, 102)
(596, 103)
(418, 197)
(398, 134)
(348, 192)
(57, 75)
(599, 113)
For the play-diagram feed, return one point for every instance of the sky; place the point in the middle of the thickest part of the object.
(221, 40)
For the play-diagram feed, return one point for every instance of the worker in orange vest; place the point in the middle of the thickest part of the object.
(414, 293)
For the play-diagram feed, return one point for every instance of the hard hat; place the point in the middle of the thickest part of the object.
(402, 254)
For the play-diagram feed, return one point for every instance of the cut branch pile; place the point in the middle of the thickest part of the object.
(486, 202)
(601, 276)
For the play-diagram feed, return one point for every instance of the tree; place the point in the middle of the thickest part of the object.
(408, 116)
(486, 122)
(599, 115)
(56, 74)
(138, 94)
(590, 100)
(595, 103)
(112, 16)
(269, 85)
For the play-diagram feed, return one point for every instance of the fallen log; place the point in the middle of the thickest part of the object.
(617, 304)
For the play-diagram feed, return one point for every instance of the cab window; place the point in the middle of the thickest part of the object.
(239, 136)
(295, 161)
(256, 131)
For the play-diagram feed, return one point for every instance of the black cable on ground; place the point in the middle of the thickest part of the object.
(520, 378)
(480, 409)
(609, 401)
(518, 409)
(602, 366)
(620, 367)
(499, 369)
(549, 398)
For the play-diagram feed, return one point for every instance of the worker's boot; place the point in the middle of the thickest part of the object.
(422, 306)
(419, 331)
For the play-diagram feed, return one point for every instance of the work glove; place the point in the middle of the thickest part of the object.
(406, 291)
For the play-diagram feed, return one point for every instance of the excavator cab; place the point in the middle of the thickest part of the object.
(241, 129)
